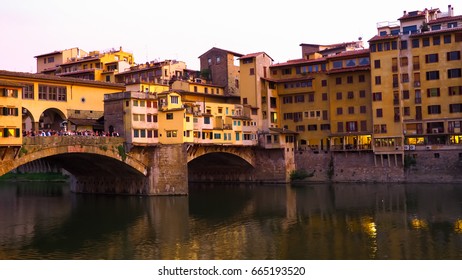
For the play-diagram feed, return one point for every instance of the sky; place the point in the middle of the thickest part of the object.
(185, 29)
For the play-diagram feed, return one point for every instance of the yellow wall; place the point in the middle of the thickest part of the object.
(10, 114)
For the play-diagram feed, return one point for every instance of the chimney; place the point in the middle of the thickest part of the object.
(404, 13)
(450, 11)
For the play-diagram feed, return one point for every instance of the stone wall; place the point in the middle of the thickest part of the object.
(446, 167)
(435, 166)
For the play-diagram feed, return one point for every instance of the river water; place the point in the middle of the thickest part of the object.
(320, 221)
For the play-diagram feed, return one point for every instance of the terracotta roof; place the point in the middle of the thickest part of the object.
(428, 33)
(255, 55)
(222, 50)
(298, 62)
(282, 130)
(445, 19)
(10, 84)
(350, 69)
(47, 54)
(382, 38)
(349, 53)
(86, 122)
(293, 79)
(33, 76)
(408, 16)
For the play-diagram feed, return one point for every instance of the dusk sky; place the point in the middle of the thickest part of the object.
(184, 29)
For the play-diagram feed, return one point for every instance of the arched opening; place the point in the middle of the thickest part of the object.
(51, 119)
(27, 121)
(220, 167)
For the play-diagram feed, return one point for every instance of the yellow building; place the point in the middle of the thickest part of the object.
(417, 82)
(158, 72)
(49, 63)
(349, 94)
(95, 65)
(46, 101)
(10, 113)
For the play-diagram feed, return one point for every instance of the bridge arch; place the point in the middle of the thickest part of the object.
(230, 164)
(91, 152)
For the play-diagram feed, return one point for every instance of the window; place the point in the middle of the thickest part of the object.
(406, 111)
(452, 24)
(431, 58)
(351, 95)
(377, 96)
(252, 71)
(404, 45)
(287, 99)
(433, 75)
(174, 99)
(455, 108)
(456, 90)
(350, 62)
(310, 97)
(405, 94)
(415, 43)
(378, 80)
(301, 98)
(325, 126)
(455, 55)
(286, 71)
(403, 61)
(324, 96)
(405, 78)
(169, 116)
(337, 64)
(209, 61)
(362, 109)
(426, 42)
(454, 73)
(434, 109)
(312, 127)
(433, 92)
(54, 93)
(377, 63)
(447, 39)
(172, 133)
(339, 126)
(379, 113)
(351, 126)
(338, 81)
(351, 110)
(218, 59)
(339, 111)
(339, 96)
(325, 115)
(362, 78)
(28, 91)
(349, 79)
(436, 40)
(362, 94)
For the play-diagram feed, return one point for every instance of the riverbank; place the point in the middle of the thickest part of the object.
(35, 177)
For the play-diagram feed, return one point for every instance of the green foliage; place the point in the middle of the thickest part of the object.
(104, 148)
(22, 151)
(300, 174)
(330, 169)
(409, 161)
(205, 74)
(122, 153)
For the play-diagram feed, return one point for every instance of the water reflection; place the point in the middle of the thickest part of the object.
(341, 221)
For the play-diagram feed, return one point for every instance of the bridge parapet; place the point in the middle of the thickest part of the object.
(71, 140)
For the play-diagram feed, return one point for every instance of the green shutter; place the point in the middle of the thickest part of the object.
(16, 111)
(5, 132)
(17, 132)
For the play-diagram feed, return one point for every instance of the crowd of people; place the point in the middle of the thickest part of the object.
(51, 132)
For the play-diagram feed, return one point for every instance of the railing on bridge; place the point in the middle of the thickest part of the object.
(71, 140)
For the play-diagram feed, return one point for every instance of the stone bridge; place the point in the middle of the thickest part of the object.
(107, 165)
